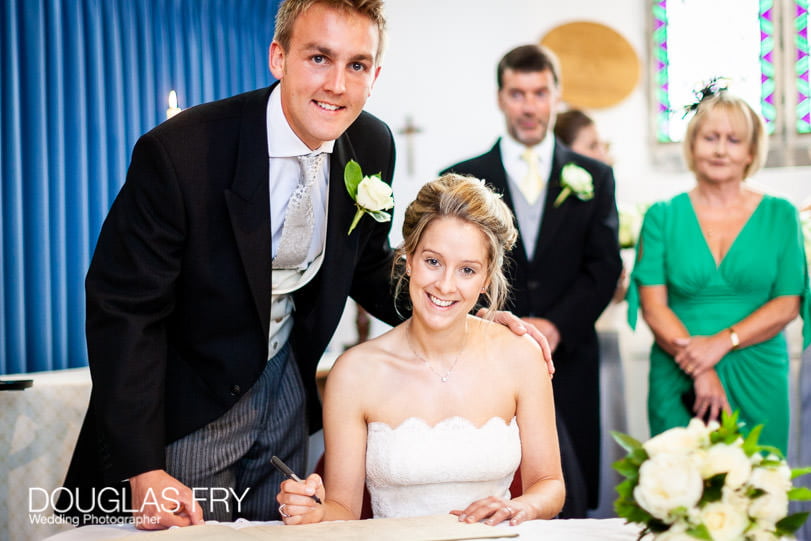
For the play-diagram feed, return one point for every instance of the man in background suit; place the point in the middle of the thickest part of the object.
(199, 373)
(566, 263)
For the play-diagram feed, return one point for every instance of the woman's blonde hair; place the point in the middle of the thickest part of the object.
(734, 106)
(469, 199)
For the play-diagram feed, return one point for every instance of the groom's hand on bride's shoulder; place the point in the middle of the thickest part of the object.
(521, 327)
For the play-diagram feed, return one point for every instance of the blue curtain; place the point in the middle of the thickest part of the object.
(81, 80)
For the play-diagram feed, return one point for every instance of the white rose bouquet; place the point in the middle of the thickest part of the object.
(708, 482)
(371, 195)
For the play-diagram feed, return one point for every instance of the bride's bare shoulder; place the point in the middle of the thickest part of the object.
(507, 346)
(367, 358)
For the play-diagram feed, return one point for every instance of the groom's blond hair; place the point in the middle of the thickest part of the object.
(290, 10)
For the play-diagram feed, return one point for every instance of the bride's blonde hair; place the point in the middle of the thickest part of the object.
(469, 199)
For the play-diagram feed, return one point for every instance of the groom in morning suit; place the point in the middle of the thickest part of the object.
(199, 374)
(566, 263)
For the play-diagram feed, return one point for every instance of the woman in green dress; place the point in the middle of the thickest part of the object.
(720, 272)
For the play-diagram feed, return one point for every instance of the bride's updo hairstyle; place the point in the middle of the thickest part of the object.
(466, 198)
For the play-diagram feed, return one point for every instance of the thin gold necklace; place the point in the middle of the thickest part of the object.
(443, 379)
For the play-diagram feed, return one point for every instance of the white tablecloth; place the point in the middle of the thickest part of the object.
(38, 430)
(613, 529)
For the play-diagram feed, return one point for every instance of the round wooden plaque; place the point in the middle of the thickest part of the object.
(599, 68)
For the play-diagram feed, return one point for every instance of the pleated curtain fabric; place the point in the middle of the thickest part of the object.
(81, 80)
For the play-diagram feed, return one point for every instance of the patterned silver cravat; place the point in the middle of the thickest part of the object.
(297, 232)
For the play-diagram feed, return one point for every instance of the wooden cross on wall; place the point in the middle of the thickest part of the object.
(409, 130)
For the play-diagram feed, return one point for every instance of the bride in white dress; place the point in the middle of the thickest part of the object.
(436, 415)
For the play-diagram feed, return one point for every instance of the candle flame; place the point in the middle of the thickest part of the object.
(172, 99)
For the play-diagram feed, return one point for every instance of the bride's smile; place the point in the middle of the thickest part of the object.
(448, 271)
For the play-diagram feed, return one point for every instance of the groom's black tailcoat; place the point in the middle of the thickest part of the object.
(179, 288)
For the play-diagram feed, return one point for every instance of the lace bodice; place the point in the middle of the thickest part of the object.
(416, 469)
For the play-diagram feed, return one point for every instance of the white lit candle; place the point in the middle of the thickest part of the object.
(173, 108)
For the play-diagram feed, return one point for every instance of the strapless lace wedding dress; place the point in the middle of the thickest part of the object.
(417, 470)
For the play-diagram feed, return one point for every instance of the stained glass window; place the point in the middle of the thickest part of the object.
(802, 59)
(691, 48)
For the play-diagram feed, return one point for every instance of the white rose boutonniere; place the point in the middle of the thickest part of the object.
(371, 195)
(575, 179)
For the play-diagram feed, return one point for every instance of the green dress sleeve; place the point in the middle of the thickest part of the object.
(649, 267)
(793, 276)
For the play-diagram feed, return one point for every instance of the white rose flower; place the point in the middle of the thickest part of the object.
(374, 194)
(578, 179)
(759, 533)
(668, 481)
(771, 478)
(693, 515)
(676, 440)
(712, 426)
(729, 459)
(725, 522)
(736, 497)
(769, 508)
(698, 457)
(701, 431)
(574, 178)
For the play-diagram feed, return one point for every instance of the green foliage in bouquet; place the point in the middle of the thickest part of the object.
(708, 482)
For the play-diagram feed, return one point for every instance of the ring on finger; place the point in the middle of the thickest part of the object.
(509, 510)
(281, 511)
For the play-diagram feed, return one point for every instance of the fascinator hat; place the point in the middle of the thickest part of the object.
(711, 88)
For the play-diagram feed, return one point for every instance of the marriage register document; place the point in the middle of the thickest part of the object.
(431, 528)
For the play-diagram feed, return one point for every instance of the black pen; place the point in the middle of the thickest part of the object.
(285, 469)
